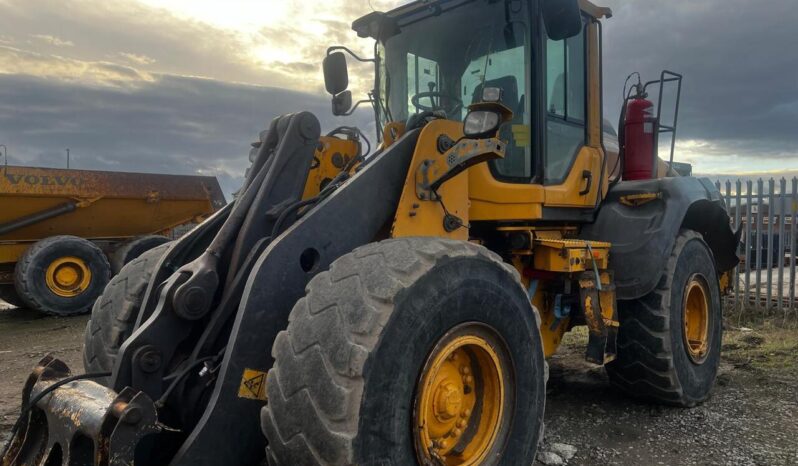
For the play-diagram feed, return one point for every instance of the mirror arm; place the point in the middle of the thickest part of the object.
(353, 54)
(354, 107)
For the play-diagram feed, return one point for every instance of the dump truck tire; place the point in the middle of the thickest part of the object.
(61, 275)
(402, 333)
(115, 312)
(669, 341)
(9, 295)
(133, 249)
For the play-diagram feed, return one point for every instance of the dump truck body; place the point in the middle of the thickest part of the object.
(109, 209)
(106, 205)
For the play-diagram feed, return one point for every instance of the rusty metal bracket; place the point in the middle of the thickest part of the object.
(81, 422)
(432, 173)
(601, 316)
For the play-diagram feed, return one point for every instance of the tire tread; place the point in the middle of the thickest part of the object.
(315, 385)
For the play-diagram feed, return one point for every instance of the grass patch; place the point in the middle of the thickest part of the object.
(768, 346)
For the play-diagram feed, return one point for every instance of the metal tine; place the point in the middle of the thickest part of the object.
(771, 204)
(749, 216)
(759, 188)
(782, 210)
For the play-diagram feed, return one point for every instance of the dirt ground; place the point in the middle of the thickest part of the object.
(751, 419)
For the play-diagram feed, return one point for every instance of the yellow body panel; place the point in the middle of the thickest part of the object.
(568, 194)
(416, 217)
(330, 158)
(570, 256)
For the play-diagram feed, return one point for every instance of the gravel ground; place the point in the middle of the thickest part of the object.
(751, 419)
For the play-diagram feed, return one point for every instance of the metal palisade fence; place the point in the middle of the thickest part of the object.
(764, 281)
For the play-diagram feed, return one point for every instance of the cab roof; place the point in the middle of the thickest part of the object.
(380, 25)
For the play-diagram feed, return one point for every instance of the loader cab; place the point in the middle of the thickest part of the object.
(433, 60)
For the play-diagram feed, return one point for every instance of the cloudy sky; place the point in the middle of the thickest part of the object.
(182, 86)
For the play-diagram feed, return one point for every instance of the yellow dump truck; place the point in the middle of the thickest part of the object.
(63, 233)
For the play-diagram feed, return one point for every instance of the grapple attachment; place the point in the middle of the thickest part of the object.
(79, 423)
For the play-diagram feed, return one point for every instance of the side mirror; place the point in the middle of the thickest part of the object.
(336, 75)
(341, 103)
(563, 18)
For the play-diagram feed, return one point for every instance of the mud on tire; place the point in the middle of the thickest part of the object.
(115, 311)
(654, 362)
(346, 370)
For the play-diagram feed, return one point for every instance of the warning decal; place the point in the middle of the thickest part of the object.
(253, 385)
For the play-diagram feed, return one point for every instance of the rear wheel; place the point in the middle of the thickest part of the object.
(669, 341)
(408, 351)
(61, 275)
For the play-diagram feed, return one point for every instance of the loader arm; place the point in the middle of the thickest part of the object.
(194, 373)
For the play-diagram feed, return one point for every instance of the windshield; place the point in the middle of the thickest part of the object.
(443, 62)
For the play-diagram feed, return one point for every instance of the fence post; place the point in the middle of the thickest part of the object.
(794, 241)
(749, 217)
(737, 225)
(728, 212)
(771, 205)
(759, 188)
(782, 213)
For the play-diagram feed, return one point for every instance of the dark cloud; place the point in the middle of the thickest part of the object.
(170, 125)
(738, 59)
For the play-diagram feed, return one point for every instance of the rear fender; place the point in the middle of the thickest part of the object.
(643, 235)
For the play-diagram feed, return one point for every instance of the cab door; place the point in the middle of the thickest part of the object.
(572, 159)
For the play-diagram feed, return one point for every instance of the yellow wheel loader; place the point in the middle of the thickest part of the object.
(398, 307)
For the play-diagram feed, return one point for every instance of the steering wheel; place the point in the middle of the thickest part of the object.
(457, 104)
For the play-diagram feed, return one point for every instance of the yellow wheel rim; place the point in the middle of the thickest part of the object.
(459, 405)
(696, 319)
(68, 276)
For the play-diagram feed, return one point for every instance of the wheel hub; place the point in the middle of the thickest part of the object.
(459, 402)
(68, 276)
(696, 319)
(449, 399)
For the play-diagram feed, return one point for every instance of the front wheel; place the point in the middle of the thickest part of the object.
(669, 341)
(408, 351)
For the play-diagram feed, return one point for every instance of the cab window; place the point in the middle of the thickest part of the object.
(565, 105)
(505, 69)
(423, 75)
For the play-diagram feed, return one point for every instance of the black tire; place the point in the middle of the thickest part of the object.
(133, 249)
(342, 387)
(654, 362)
(10, 296)
(114, 314)
(30, 275)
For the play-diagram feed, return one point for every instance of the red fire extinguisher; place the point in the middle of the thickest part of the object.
(639, 140)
